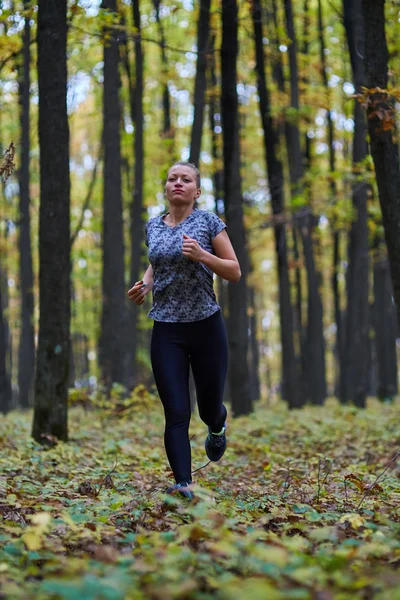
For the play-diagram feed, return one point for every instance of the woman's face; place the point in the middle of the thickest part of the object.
(181, 187)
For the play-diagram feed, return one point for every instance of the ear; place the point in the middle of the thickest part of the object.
(198, 194)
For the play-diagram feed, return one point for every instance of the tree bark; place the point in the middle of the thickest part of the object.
(112, 345)
(290, 387)
(337, 314)
(26, 351)
(52, 364)
(385, 325)
(254, 354)
(136, 207)
(314, 344)
(237, 292)
(203, 31)
(381, 126)
(357, 317)
(167, 129)
(5, 380)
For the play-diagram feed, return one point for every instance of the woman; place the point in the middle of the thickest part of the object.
(186, 246)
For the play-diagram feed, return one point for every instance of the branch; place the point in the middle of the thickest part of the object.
(87, 201)
(108, 475)
(370, 487)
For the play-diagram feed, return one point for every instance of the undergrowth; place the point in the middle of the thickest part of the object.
(304, 505)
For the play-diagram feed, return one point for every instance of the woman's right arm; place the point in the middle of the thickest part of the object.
(141, 288)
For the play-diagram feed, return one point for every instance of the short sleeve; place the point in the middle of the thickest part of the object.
(216, 224)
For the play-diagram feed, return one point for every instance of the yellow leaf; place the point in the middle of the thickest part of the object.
(355, 520)
(42, 519)
(32, 539)
(272, 554)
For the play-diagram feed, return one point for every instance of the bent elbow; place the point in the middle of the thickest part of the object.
(238, 275)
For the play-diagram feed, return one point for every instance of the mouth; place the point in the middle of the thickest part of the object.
(178, 191)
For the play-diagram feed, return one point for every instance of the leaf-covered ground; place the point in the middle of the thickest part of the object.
(303, 505)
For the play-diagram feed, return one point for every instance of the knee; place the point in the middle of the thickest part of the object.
(177, 418)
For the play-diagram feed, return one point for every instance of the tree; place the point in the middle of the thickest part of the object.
(237, 292)
(167, 131)
(381, 122)
(356, 357)
(340, 371)
(290, 388)
(112, 344)
(52, 363)
(313, 347)
(200, 80)
(136, 206)
(26, 354)
(5, 380)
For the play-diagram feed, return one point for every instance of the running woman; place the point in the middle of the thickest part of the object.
(186, 247)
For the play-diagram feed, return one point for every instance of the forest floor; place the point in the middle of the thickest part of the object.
(304, 505)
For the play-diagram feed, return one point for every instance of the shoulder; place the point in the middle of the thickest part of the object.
(209, 217)
(212, 221)
(154, 221)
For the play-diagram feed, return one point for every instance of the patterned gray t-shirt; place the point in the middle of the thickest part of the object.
(183, 289)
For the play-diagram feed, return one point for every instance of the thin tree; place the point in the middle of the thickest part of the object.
(26, 352)
(314, 346)
(356, 352)
(136, 206)
(52, 363)
(237, 292)
(290, 389)
(113, 322)
(203, 33)
(339, 375)
(381, 123)
(5, 379)
(167, 131)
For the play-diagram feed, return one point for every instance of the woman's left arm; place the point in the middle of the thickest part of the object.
(225, 263)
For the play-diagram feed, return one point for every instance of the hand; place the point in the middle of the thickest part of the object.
(191, 249)
(138, 292)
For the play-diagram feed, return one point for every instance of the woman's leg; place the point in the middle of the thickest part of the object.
(209, 360)
(170, 362)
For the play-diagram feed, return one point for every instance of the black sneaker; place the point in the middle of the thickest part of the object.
(182, 489)
(215, 444)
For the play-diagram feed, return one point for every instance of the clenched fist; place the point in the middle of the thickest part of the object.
(191, 249)
(138, 292)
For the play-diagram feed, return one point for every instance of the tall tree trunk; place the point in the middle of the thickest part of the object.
(290, 387)
(26, 352)
(112, 344)
(357, 317)
(314, 345)
(338, 352)
(216, 152)
(136, 207)
(5, 379)
(203, 29)
(254, 354)
(385, 325)
(381, 124)
(52, 364)
(167, 129)
(237, 292)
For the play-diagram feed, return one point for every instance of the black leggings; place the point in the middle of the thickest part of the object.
(204, 345)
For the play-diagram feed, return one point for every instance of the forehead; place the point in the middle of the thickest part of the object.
(182, 170)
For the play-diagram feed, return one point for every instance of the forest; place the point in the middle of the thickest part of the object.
(290, 110)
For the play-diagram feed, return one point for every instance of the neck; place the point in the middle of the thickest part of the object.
(177, 214)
